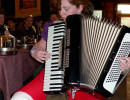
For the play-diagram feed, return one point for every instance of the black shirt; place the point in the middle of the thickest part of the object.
(2, 30)
(24, 32)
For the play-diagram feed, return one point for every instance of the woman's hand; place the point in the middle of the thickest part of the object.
(41, 55)
(124, 63)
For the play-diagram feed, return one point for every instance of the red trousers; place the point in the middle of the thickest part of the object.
(35, 90)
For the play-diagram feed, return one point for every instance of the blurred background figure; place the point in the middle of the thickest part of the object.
(54, 16)
(11, 23)
(38, 27)
(38, 24)
(20, 23)
(3, 29)
(26, 29)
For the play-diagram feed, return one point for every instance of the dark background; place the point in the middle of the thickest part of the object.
(9, 6)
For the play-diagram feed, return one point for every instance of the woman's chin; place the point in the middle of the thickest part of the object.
(64, 19)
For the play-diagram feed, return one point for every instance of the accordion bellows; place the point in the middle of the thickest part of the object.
(99, 38)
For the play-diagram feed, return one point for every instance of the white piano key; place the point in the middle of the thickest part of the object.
(54, 72)
(47, 77)
(52, 89)
(49, 86)
(55, 68)
(53, 81)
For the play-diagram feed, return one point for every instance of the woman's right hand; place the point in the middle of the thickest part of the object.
(124, 63)
(41, 55)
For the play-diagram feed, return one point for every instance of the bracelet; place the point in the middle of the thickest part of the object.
(33, 50)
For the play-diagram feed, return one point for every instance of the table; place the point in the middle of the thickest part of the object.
(14, 70)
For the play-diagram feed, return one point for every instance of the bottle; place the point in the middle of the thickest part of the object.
(38, 35)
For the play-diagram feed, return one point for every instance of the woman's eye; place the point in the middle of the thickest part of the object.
(66, 9)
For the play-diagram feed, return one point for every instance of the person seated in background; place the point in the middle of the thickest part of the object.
(26, 29)
(38, 25)
(54, 16)
(11, 23)
(20, 22)
(3, 29)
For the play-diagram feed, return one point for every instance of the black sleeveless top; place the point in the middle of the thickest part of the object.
(2, 30)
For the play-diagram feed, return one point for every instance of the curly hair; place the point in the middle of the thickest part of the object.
(88, 6)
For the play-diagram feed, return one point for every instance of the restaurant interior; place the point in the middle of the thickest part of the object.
(16, 69)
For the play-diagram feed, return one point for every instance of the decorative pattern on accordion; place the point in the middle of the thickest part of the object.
(98, 40)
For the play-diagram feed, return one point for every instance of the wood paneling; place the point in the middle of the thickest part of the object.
(128, 86)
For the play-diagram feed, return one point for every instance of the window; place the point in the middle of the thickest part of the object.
(123, 8)
(123, 14)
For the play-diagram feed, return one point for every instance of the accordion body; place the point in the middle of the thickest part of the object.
(87, 55)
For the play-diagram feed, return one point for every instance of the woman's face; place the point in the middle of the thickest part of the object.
(69, 9)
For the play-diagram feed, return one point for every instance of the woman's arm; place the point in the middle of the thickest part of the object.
(39, 51)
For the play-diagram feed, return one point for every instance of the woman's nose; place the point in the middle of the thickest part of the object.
(61, 12)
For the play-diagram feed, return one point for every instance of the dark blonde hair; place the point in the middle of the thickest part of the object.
(29, 16)
(88, 7)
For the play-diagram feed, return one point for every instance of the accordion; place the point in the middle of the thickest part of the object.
(85, 53)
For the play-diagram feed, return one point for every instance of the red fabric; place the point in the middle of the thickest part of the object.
(35, 90)
(35, 87)
(80, 95)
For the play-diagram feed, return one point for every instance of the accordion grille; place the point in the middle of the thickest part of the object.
(97, 40)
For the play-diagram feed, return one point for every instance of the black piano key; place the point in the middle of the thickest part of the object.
(55, 47)
(59, 25)
(55, 50)
(55, 87)
(56, 83)
(55, 58)
(59, 31)
(55, 55)
(56, 44)
(56, 75)
(54, 66)
(55, 70)
(57, 40)
(58, 36)
(56, 78)
(54, 63)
